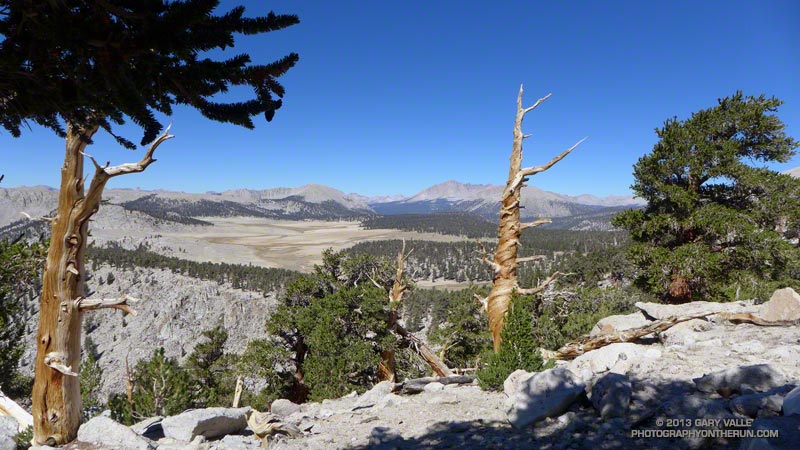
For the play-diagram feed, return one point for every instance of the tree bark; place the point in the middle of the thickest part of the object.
(56, 392)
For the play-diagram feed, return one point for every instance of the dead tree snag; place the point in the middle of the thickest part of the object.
(56, 390)
(505, 261)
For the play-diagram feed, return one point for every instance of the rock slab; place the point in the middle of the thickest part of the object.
(783, 305)
(109, 434)
(761, 404)
(791, 403)
(611, 395)
(759, 378)
(282, 407)
(659, 311)
(786, 428)
(206, 422)
(544, 394)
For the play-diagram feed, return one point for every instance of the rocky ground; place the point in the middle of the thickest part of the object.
(699, 377)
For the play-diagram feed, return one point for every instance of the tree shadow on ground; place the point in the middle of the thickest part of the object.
(655, 408)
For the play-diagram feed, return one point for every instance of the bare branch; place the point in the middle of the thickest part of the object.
(121, 303)
(43, 219)
(519, 178)
(543, 285)
(55, 361)
(530, 258)
(97, 166)
(484, 301)
(144, 162)
(374, 282)
(535, 223)
(538, 102)
(485, 258)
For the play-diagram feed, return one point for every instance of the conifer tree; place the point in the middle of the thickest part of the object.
(717, 226)
(78, 66)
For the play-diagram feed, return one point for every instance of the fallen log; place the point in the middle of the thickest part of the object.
(417, 385)
(750, 318)
(588, 343)
(9, 407)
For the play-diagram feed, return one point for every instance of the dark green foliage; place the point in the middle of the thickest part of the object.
(518, 349)
(463, 332)
(716, 225)
(161, 388)
(92, 62)
(265, 363)
(241, 277)
(91, 375)
(344, 331)
(24, 438)
(455, 223)
(20, 276)
(212, 370)
(571, 315)
(458, 260)
(332, 326)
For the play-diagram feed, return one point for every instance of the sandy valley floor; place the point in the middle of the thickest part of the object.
(286, 244)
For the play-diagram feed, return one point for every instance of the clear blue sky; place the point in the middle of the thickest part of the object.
(394, 96)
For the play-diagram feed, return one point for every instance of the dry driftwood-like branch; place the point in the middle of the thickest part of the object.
(535, 223)
(42, 219)
(588, 343)
(121, 303)
(530, 258)
(482, 300)
(543, 285)
(9, 407)
(755, 320)
(438, 366)
(485, 258)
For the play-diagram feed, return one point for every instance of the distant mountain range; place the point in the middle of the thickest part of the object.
(314, 201)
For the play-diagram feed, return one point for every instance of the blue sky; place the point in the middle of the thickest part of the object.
(391, 97)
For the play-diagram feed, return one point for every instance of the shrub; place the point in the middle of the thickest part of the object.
(518, 349)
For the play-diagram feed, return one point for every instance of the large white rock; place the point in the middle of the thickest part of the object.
(791, 403)
(544, 394)
(761, 404)
(282, 407)
(106, 433)
(373, 396)
(685, 333)
(612, 324)
(658, 311)
(786, 438)
(615, 357)
(9, 427)
(783, 305)
(611, 395)
(207, 422)
(759, 377)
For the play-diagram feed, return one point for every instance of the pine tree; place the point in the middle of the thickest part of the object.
(716, 226)
(518, 348)
(90, 64)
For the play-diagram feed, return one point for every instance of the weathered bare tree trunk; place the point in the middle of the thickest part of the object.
(387, 367)
(56, 390)
(505, 261)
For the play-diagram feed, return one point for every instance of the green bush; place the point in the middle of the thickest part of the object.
(24, 438)
(161, 388)
(518, 348)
